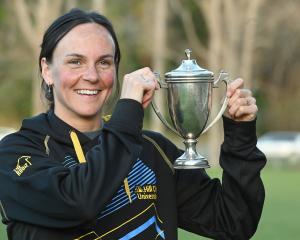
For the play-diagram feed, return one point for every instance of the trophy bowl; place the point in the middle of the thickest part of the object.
(189, 93)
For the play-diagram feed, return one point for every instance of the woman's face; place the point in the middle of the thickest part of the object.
(82, 72)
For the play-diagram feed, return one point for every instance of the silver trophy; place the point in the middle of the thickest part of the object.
(189, 94)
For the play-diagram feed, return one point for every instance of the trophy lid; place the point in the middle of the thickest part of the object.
(189, 70)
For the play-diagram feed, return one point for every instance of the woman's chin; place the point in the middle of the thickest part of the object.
(89, 113)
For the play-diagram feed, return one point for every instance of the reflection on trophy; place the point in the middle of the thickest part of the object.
(189, 94)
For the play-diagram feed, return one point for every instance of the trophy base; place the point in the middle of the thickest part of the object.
(196, 163)
(190, 159)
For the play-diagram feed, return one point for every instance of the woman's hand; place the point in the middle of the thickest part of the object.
(241, 103)
(140, 86)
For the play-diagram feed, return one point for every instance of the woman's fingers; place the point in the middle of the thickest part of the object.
(241, 104)
(233, 86)
(140, 86)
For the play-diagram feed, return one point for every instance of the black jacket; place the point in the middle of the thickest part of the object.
(127, 188)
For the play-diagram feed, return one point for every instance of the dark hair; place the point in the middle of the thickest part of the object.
(60, 27)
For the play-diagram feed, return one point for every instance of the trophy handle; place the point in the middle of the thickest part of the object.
(223, 77)
(162, 84)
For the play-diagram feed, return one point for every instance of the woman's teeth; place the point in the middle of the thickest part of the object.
(87, 92)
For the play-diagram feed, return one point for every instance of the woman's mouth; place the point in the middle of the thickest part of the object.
(87, 92)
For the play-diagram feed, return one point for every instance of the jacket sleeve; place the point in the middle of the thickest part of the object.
(49, 194)
(230, 210)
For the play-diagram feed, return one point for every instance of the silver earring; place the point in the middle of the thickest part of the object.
(49, 86)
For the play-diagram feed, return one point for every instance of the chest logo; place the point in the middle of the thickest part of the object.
(22, 164)
(146, 192)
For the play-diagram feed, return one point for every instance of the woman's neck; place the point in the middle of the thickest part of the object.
(86, 125)
(81, 123)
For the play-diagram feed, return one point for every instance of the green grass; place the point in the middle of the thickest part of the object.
(281, 215)
(282, 206)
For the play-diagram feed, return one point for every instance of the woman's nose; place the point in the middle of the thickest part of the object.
(91, 74)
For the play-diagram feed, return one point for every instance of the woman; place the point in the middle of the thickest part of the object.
(68, 175)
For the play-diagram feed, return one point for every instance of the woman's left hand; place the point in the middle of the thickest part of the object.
(241, 103)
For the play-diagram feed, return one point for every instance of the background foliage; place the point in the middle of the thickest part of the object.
(274, 69)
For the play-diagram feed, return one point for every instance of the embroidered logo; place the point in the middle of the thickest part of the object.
(146, 192)
(22, 164)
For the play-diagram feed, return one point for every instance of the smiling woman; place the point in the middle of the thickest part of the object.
(81, 74)
(72, 173)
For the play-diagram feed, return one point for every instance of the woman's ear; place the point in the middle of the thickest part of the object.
(46, 71)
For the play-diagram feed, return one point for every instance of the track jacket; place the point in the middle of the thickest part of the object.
(56, 183)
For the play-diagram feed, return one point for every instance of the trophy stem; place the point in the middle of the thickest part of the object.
(190, 159)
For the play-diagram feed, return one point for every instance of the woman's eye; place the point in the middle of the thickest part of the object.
(104, 64)
(75, 62)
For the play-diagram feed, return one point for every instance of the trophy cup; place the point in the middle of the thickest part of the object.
(189, 94)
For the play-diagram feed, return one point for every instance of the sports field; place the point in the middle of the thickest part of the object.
(281, 216)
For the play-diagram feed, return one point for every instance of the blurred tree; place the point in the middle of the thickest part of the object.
(278, 63)
(33, 17)
(99, 5)
(258, 39)
(159, 34)
(14, 84)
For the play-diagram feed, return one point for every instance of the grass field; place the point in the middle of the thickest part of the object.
(281, 216)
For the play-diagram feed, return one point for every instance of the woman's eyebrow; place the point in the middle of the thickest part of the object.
(74, 55)
(82, 56)
(106, 56)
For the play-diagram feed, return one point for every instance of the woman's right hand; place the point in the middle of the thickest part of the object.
(140, 86)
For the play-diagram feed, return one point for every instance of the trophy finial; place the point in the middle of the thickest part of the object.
(188, 53)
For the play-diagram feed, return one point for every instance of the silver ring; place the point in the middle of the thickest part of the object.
(248, 102)
(145, 79)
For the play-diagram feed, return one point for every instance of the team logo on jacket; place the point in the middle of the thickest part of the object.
(145, 192)
(142, 221)
(22, 164)
(141, 184)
